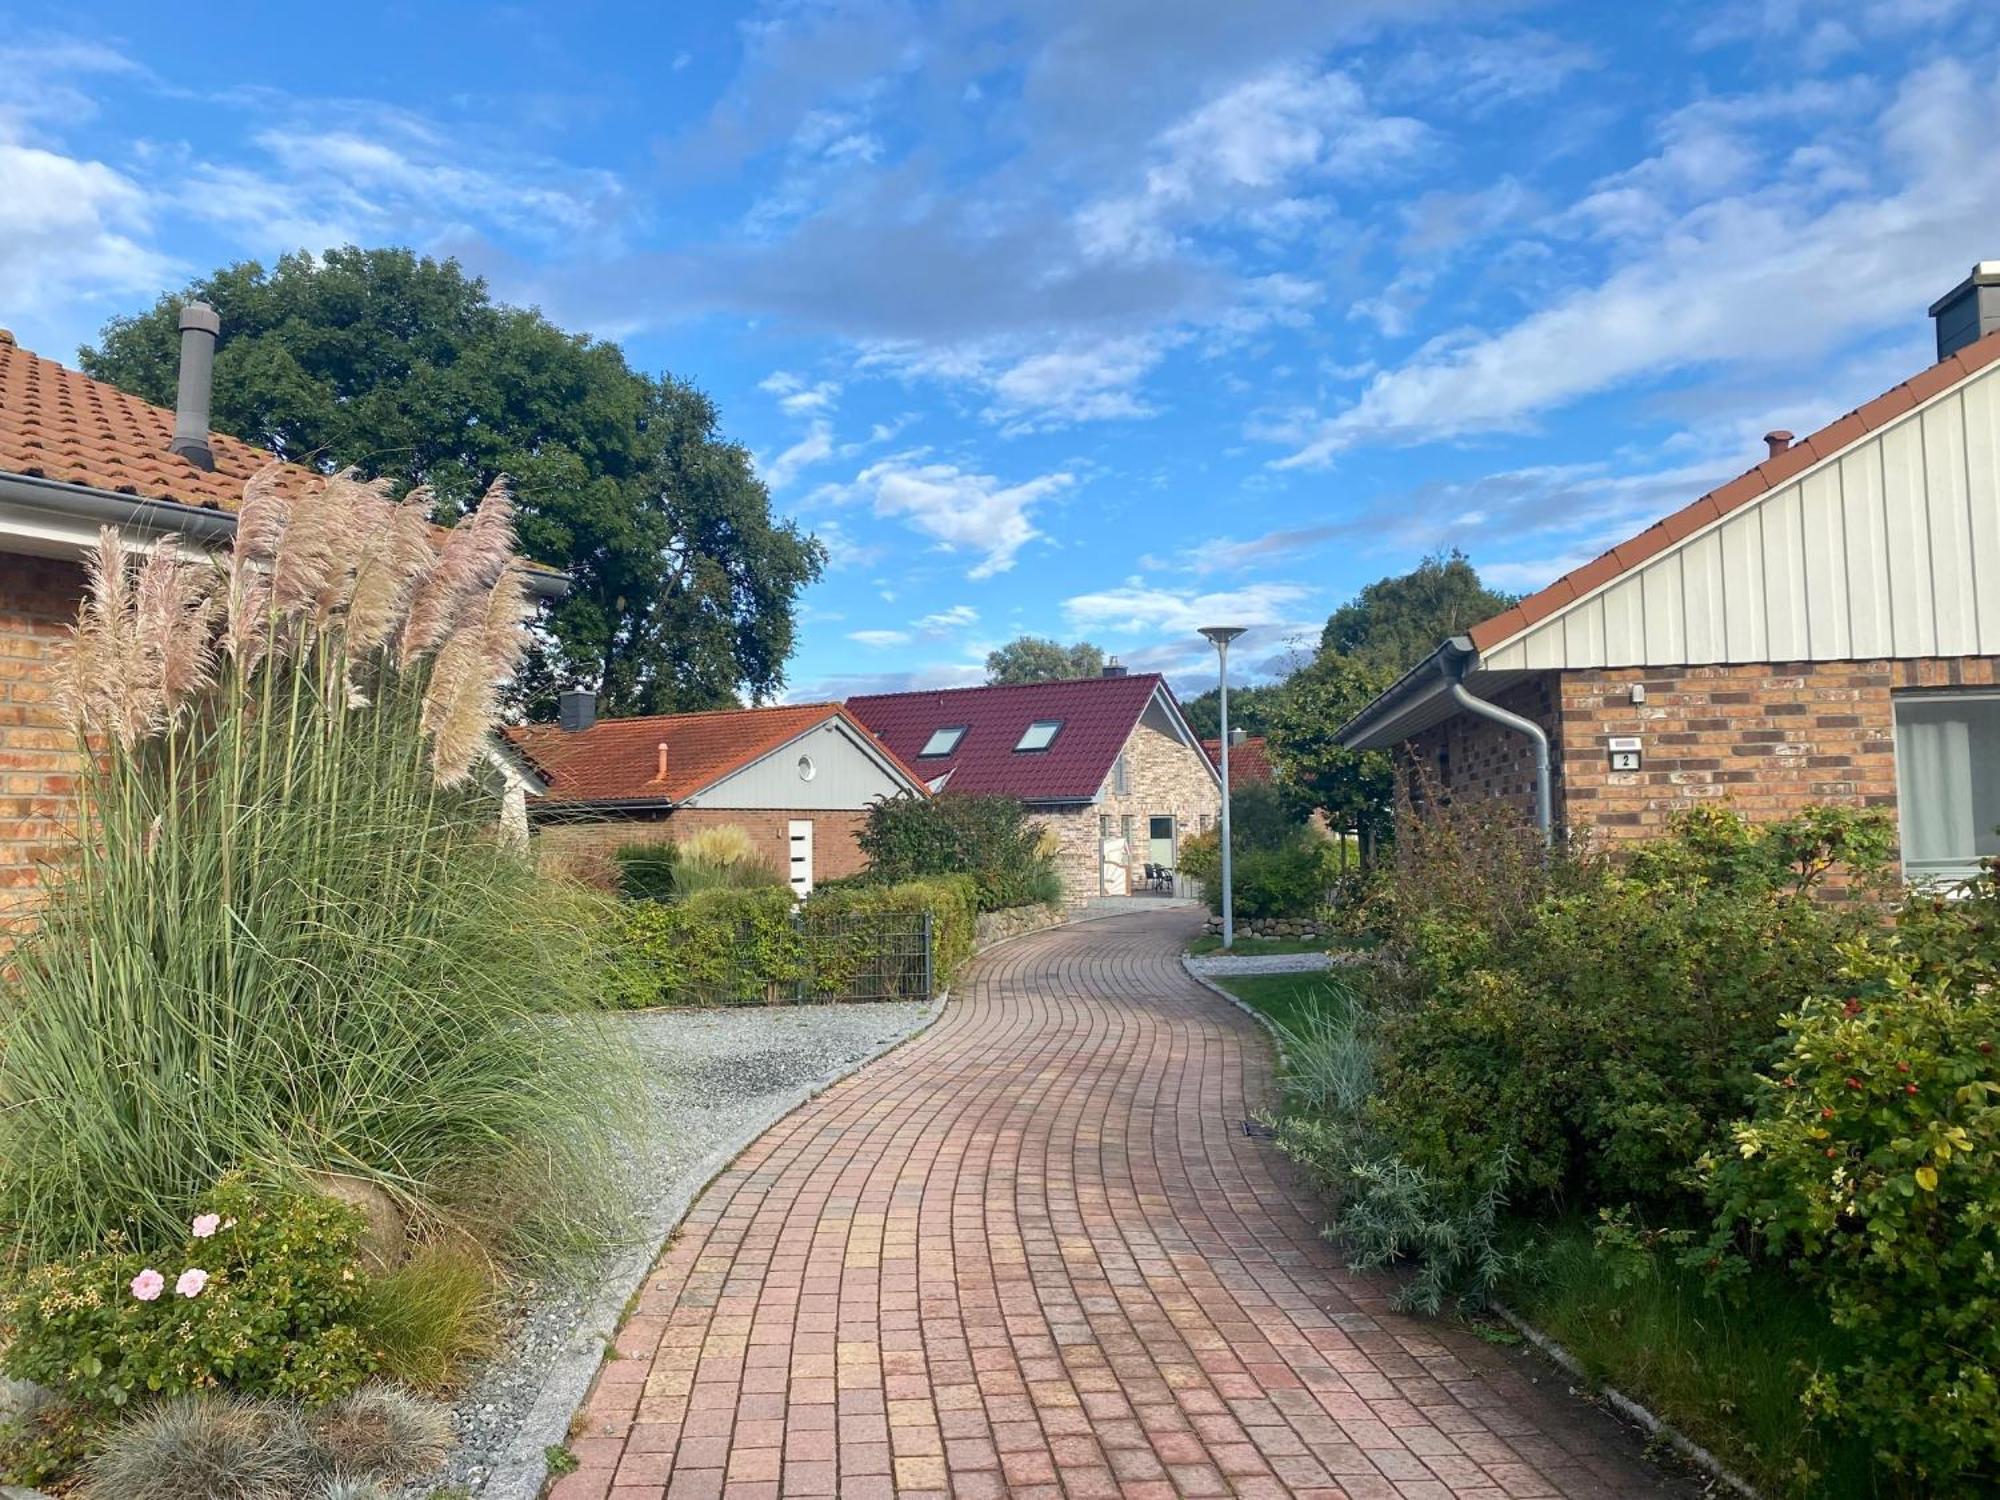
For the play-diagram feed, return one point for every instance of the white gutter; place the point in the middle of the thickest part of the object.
(1453, 662)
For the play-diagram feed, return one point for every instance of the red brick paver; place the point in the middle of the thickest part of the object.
(1034, 1253)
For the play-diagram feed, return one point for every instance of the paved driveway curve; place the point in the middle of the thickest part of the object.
(1034, 1253)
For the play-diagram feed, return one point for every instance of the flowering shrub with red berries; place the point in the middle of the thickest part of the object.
(1873, 1160)
(264, 1296)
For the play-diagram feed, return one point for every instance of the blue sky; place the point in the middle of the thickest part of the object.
(1088, 317)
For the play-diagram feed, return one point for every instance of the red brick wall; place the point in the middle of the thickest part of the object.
(1481, 759)
(38, 599)
(584, 846)
(1771, 738)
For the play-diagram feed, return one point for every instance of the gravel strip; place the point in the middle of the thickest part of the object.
(1264, 963)
(716, 1080)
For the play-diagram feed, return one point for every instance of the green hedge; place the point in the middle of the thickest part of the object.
(992, 840)
(756, 947)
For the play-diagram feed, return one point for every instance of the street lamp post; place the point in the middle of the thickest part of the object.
(1220, 636)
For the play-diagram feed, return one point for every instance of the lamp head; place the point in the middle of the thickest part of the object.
(1222, 635)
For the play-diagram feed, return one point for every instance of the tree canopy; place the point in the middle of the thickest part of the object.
(1250, 706)
(1368, 643)
(683, 584)
(1394, 623)
(1034, 658)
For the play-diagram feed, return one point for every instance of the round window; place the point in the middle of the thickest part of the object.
(807, 770)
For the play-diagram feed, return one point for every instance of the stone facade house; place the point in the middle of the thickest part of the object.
(77, 455)
(1822, 629)
(1108, 765)
(799, 779)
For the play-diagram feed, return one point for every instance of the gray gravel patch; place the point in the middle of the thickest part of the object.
(1265, 963)
(716, 1080)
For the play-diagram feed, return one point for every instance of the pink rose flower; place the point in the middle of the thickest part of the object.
(191, 1282)
(206, 1225)
(148, 1285)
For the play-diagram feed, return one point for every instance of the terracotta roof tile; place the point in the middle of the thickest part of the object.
(1249, 762)
(1097, 713)
(618, 760)
(1767, 476)
(56, 423)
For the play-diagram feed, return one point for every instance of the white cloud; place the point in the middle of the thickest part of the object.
(74, 229)
(879, 640)
(1138, 608)
(1741, 277)
(797, 398)
(961, 511)
(946, 621)
(1238, 152)
(815, 446)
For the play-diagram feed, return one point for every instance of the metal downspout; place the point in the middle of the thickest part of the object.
(1453, 667)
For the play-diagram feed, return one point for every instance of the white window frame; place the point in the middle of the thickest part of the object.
(1932, 871)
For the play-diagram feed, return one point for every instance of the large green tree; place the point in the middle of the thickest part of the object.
(1249, 709)
(1394, 623)
(1034, 658)
(683, 584)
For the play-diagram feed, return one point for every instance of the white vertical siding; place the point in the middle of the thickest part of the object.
(1890, 550)
(844, 777)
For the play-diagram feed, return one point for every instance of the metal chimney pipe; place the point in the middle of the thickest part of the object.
(199, 326)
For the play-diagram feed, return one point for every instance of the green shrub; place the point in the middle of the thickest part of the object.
(842, 951)
(1199, 857)
(725, 946)
(1290, 880)
(1874, 1155)
(262, 1296)
(379, 1432)
(723, 858)
(646, 870)
(289, 931)
(990, 839)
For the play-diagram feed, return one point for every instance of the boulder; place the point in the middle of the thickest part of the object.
(386, 1241)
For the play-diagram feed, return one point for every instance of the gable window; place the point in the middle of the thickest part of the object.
(1039, 735)
(1121, 776)
(1948, 782)
(943, 741)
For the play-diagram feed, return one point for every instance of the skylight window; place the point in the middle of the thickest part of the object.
(1039, 735)
(943, 741)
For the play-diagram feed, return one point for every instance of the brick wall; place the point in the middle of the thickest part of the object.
(1771, 738)
(38, 599)
(1474, 757)
(1166, 777)
(584, 847)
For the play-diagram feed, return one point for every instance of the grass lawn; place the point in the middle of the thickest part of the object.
(1256, 947)
(1729, 1375)
(1286, 998)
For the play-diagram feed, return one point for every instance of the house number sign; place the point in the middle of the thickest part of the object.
(1625, 754)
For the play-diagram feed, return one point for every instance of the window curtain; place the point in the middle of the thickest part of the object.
(1936, 756)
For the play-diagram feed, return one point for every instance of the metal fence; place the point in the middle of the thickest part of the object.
(867, 956)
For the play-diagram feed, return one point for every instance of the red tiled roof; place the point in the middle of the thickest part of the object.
(1740, 491)
(618, 760)
(1248, 761)
(58, 424)
(1097, 714)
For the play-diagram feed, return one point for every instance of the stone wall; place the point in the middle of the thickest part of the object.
(583, 847)
(1164, 777)
(1310, 929)
(997, 926)
(38, 601)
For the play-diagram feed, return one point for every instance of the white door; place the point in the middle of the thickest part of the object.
(801, 831)
(1111, 856)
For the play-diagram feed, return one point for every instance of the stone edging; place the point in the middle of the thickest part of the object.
(1616, 1399)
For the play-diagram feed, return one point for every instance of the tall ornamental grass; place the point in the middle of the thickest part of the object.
(290, 934)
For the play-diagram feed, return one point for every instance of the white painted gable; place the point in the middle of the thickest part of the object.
(829, 768)
(1889, 548)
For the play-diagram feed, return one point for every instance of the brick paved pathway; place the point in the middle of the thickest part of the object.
(1033, 1253)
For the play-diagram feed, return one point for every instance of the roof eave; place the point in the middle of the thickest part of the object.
(1378, 725)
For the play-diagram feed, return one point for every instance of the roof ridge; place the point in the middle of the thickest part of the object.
(693, 713)
(1752, 484)
(1001, 687)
